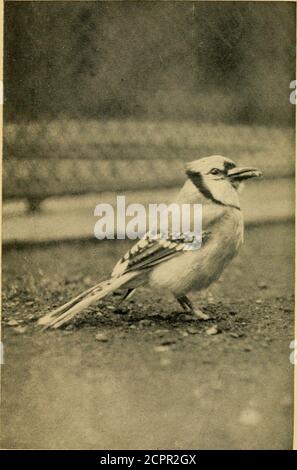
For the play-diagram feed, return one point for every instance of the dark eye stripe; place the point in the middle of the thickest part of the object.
(197, 179)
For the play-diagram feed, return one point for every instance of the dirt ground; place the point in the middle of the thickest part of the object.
(154, 377)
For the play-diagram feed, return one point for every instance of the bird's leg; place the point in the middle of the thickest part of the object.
(127, 294)
(182, 300)
(187, 305)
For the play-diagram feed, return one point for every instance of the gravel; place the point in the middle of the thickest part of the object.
(152, 383)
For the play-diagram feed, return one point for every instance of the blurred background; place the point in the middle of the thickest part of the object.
(107, 97)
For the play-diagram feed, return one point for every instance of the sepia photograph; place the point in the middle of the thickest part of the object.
(148, 227)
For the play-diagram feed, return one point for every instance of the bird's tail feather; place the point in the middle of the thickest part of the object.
(66, 312)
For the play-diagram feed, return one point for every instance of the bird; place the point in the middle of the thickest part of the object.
(165, 264)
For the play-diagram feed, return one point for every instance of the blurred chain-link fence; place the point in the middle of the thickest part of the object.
(75, 157)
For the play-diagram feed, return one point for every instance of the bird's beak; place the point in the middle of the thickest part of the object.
(240, 174)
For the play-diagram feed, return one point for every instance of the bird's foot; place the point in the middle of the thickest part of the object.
(200, 315)
(188, 307)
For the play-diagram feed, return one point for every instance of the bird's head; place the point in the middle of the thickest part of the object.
(218, 178)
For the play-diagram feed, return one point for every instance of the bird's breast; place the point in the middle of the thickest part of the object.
(197, 269)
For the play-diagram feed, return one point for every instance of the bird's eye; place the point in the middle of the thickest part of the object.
(215, 171)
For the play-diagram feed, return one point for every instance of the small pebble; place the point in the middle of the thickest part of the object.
(201, 316)
(185, 334)
(30, 317)
(234, 335)
(102, 337)
(258, 301)
(237, 334)
(262, 285)
(144, 323)
(161, 332)
(161, 348)
(12, 323)
(213, 330)
(192, 331)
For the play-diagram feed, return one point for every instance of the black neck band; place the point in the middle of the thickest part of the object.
(197, 180)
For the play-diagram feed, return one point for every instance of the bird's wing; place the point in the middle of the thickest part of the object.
(151, 251)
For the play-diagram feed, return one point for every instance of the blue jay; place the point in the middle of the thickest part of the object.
(166, 264)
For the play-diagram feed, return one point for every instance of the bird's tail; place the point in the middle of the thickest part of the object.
(66, 312)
